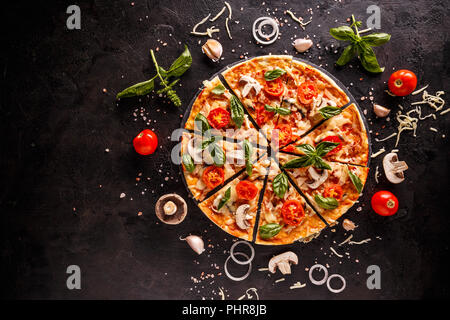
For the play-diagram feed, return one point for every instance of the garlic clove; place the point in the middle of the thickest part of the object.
(301, 45)
(380, 111)
(213, 49)
(196, 243)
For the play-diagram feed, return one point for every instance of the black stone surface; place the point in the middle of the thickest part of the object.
(60, 191)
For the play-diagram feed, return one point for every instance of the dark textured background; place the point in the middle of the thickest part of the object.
(56, 123)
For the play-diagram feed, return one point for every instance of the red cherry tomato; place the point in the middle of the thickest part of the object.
(246, 190)
(402, 82)
(263, 116)
(292, 212)
(306, 92)
(213, 176)
(284, 134)
(334, 191)
(218, 118)
(145, 142)
(334, 139)
(274, 88)
(384, 203)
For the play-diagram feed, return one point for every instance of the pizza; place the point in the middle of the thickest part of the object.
(274, 152)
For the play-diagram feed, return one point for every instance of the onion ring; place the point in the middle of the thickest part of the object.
(258, 33)
(313, 281)
(336, 276)
(249, 260)
(235, 278)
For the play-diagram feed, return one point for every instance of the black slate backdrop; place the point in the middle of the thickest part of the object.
(60, 190)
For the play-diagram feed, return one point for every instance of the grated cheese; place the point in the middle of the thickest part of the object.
(302, 25)
(346, 240)
(221, 293)
(228, 29)
(384, 139)
(394, 150)
(376, 154)
(279, 280)
(420, 90)
(229, 10)
(376, 175)
(360, 242)
(263, 269)
(433, 129)
(334, 251)
(434, 101)
(200, 23)
(297, 285)
(445, 111)
(406, 122)
(218, 15)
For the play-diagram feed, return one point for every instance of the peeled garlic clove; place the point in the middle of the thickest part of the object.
(213, 49)
(301, 45)
(380, 111)
(196, 243)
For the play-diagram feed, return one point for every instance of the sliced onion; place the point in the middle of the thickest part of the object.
(313, 281)
(336, 276)
(249, 260)
(245, 275)
(258, 33)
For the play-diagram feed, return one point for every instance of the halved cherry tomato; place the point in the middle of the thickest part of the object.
(218, 118)
(275, 87)
(334, 139)
(384, 203)
(402, 82)
(246, 190)
(306, 92)
(292, 212)
(263, 116)
(145, 143)
(213, 176)
(284, 134)
(334, 191)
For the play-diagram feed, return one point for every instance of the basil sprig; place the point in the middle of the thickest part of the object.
(274, 74)
(269, 230)
(280, 110)
(360, 45)
(356, 181)
(329, 203)
(188, 162)
(248, 151)
(329, 111)
(237, 111)
(280, 185)
(313, 156)
(219, 89)
(225, 198)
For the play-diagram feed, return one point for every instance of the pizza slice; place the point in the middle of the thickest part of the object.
(209, 161)
(219, 110)
(347, 129)
(331, 191)
(285, 216)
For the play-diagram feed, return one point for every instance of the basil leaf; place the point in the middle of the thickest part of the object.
(217, 154)
(201, 123)
(225, 198)
(349, 52)
(306, 148)
(343, 33)
(356, 181)
(219, 89)
(300, 162)
(269, 230)
(188, 162)
(376, 39)
(139, 89)
(329, 111)
(248, 151)
(320, 164)
(326, 203)
(324, 147)
(180, 65)
(274, 74)
(207, 142)
(237, 111)
(283, 111)
(270, 108)
(280, 185)
(368, 58)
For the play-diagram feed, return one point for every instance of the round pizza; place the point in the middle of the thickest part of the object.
(274, 151)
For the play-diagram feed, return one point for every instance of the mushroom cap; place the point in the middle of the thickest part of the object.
(179, 214)
(288, 256)
(393, 168)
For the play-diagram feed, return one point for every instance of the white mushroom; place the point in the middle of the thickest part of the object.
(195, 153)
(250, 84)
(283, 262)
(213, 49)
(394, 168)
(170, 208)
(380, 111)
(318, 178)
(241, 217)
(301, 45)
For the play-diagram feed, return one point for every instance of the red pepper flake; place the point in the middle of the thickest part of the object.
(140, 213)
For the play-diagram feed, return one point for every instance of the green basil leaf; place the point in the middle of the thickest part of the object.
(180, 65)
(329, 111)
(320, 164)
(270, 108)
(201, 123)
(269, 230)
(324, 147)
(326, 203)
(376, 39)
(356, 181)
(280, 185)
(188, 162)
(139, 89)
(274, 74)
(162, 71)
(217, 154)
(219, 89)
(368, 58)
(248, 151)
(283, 111)
(349, 52)
(343, 33)
(300, 162)
(225, 198)
(307, 149)
(237, 111)
(207, 142)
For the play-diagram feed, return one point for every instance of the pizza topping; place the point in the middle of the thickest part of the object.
(238, 278)
(292, 212)
(334, 191)
(195, 242)
(284, 133)
(263, 116)
(318, 179)
(356, 181)
(280, 185)
(402, 82)
(318, 282)
(218, 118)
(194, 151)
(339, 277)
(188, 162)
(306, 92)
(269, 230)
(213, 176)
(394, 168)
(274, 74)
(259, 35)
(337, 140)
(283, 262)
(171, 209)
(241, 216)
(251, 83)
(329, 203)
(213, 49)
(301, 45)
(274, 88)
(246, 190)
(328, 112)
(380, 111)
(384, 203)
(224, 199)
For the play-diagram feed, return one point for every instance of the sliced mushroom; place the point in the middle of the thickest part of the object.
(283, 262)
(380, 111)
(241, 217)
(195, 153)
(163, 205)
(394, 168)
(251, 83)
(318, 178)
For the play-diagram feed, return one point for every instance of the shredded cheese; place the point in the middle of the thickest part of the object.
(228, 28)
(263, 269)
(388, 137)
(418, 91)
(394, 150)
(376, 154)
(433, 129)
(406, 122)
(334, 251)
(297, 285)
(346, 240)
(445, 111)
(434, 101)
(200, 23)
(360, 242)
(302, 25)
(221, 293)
(218, 15)
(279, 280)
(230, 12)
(376, 175)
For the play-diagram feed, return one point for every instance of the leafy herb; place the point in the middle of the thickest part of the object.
(356, 181)
(280, 185)
(329, 111)
(176, 70)
(329, 203)
(188, 162)
(324, 147)
(219, 89)
(201, 123)
(237, 111)
(269, 230)
(274, 74)
(280, 110)
(217, 154)
(359, 45)
(248, 151)
(313, 156)
(225, 198)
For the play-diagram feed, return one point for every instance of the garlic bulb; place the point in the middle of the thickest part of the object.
(213, 49)
(301, 45)
(196, 243)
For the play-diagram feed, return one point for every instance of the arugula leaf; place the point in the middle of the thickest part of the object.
(329, 111)
(376, 39)
(274, 74)
(248, 151)
(225, 198)
(188, 162)
(237, 111)
(269, 230)
(324, 147)
(139, 89)
(201, 123)
(181, 64)
(219, 89)
(356, 181)
(344, 33)
(329, 203)
(280, 185)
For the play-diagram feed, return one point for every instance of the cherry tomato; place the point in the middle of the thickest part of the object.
(145, 143)
(334, 139)
(284, 134)
(213, 176)
(218, 118)
(306, 92)
(292, 212)
(246, 190)
(334, 191)
(384, 203)
(402, 82)
(262, 116)
(274, 88)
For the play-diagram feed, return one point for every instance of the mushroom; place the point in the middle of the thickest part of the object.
(318, 178)
(394, 168)
(171, 209)
(213, 49)
(241, 217)
(301, 45)
(250, 84)
(380, 111)
(348, 225)
(283, 262)
(195, 153)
